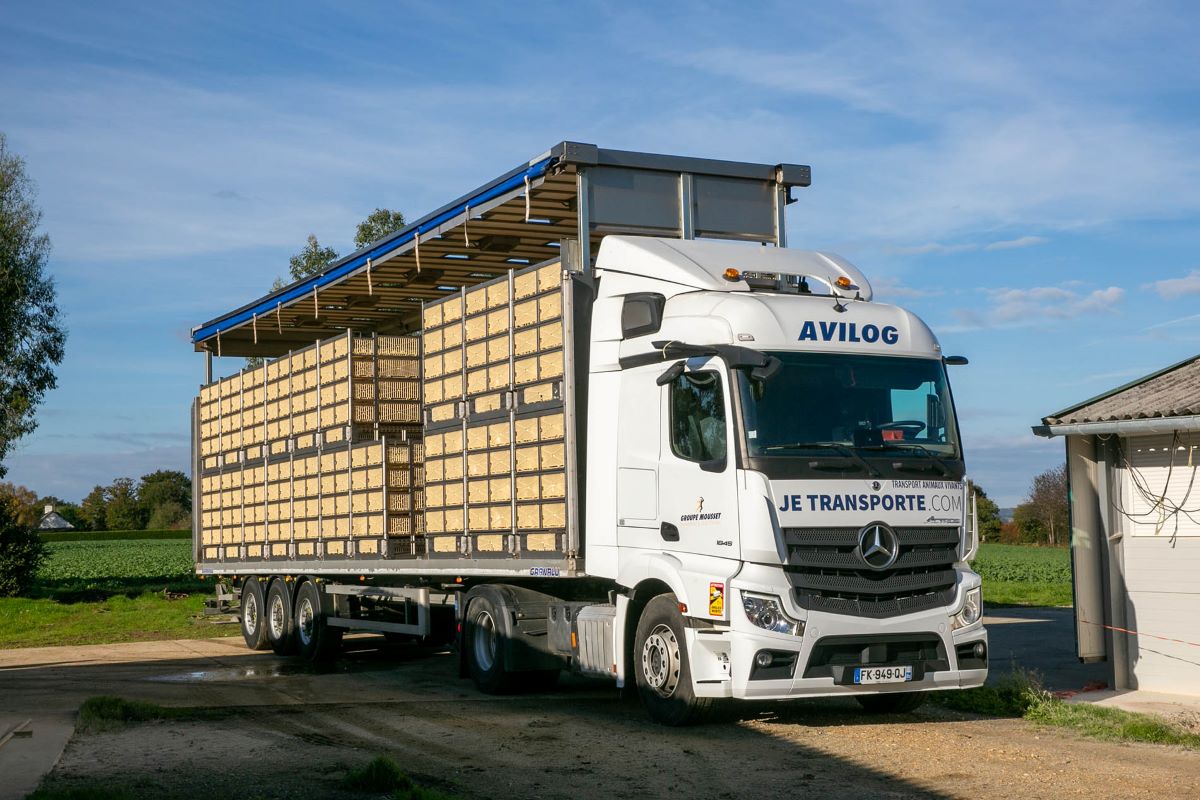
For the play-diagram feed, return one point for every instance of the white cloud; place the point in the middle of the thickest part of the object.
(1014, 244)
(1036, 305)
(1171, 288)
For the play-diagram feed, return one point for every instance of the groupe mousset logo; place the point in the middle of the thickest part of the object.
(878, 546)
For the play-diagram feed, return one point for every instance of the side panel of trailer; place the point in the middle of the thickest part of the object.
(454, 452)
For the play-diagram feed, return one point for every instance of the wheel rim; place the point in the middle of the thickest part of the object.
(661, 660)
(277, 617)
(483, 642)
(250, 613)
(305, 621)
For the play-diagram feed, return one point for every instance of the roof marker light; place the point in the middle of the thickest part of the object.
(844, 283)
(732, 274)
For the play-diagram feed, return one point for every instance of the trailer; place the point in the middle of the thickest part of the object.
(595, 416)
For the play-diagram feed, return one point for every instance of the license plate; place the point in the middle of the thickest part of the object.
(882, 674)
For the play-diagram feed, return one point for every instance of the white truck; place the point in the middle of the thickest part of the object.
(707, 469)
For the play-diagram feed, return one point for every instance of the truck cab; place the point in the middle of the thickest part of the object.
(780, 453)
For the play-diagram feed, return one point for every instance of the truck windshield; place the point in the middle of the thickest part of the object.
(833, 403)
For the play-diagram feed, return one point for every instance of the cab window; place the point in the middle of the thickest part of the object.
(697, 407)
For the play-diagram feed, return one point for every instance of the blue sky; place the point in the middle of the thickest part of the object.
(1025, 176)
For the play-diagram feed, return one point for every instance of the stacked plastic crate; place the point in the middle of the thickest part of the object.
(314, 455)
(496, 473)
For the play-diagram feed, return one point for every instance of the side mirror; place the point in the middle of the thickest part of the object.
(673, 372)
(767, 370)
(955, 361)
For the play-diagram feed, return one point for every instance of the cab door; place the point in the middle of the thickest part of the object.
(698, 509)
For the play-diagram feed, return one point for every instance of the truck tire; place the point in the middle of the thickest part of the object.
(253, 615)
(315, 640)
(661, 669)
(280, 625)
(482, 636)
(894, 703)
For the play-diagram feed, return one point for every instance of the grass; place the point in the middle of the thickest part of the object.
(381, 774)
(99, 714)
(112, 590)
(1020, 694)
(1023, 575)
(94, 792)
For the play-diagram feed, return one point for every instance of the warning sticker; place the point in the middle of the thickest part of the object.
(716, 599)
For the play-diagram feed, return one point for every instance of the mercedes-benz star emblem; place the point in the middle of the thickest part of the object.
(878, 546)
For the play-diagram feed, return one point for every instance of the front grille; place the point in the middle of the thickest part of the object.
(827, 575)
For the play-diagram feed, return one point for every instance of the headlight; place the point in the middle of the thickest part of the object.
(971, 611)
(766, 612)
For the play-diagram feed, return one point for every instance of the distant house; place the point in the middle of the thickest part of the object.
(53, 521)
(1132, 460)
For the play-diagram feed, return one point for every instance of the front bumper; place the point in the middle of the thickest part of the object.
(723, 659)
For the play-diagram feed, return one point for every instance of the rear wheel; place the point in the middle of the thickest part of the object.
(661, 669)
(485, 651)
(281, 629)
(253, 617)
(315, 639)
(895, 703)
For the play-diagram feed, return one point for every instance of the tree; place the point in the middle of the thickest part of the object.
(168, 515)
(1048, 502)
(988, 513)
(378, 224)
(22, 551)
(32, 338)
(312, 259)
(166, 486)
(94, 509)
(123, 511)
(26, 508)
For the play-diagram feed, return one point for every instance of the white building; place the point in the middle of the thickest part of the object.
(1132, 460)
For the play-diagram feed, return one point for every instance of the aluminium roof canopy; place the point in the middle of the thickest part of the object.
(522, 217)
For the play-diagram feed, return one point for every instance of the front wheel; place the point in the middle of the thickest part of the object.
(662, 672)
(482, 639)
(894, 703)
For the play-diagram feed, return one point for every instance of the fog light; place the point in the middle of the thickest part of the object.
(764, 659)
(979, 651)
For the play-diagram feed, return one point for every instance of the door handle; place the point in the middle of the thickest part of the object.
(669, 532)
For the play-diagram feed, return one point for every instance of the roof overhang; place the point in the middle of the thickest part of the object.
(526, 216)
(1121, 427)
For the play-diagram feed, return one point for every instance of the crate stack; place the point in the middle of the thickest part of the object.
(496, 447)
(317, 454)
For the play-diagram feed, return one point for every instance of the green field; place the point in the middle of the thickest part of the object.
(1023, 575)
(111, 589)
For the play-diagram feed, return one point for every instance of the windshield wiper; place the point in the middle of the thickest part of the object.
(941, 466)
(839, 447)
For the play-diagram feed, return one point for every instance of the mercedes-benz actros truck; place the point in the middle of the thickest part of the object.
(595, 416)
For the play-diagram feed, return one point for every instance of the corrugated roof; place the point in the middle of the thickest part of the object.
(1170, 392)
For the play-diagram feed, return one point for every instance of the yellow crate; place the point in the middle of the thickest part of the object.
(500, 517)
(476, 300)
(336, 434)
(525, 342)
(550, 336)
(525, 370)
(335, 548)
(538, 394)
(553, 456)
(434, 444)
(399, 389)
(497, 322)
(398, 367)
(477, 491)
(435, 521)
(453, 441)
(497, 294)
(400, 526)
(528, 487)
(526, 430)
(498, 376)
(489, 543)
(527, 459)
(525, 314)
(431, 315)
(432, 339)
(452, 386)
(489, 402)
(477, 519)
(435, 469)
(525, 284)
(528, 517)
(552, 426)
(368, 547)
(549, 307)
(500, 490)
(477, 437)
(550, 277)
(454, 520)
(433, 392)
(550, 365)
(541, 542)
(435, 495)
(477, 464)
(399, 411)
(554, 485)
(476, 328)
(497, 349)
(433, 366)
(477, 354)
(443, 412)
(454, 494)
(400, 501)
(500, 462)
(452, 336)
(477, 381)
(444, 544)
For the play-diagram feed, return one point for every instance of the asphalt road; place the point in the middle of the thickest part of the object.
(1041, 640)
